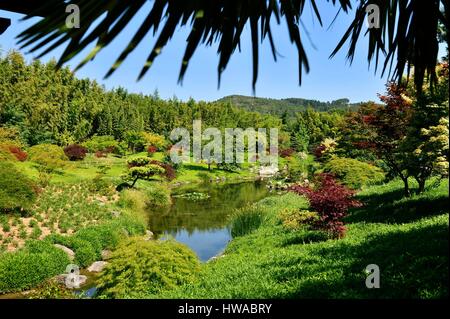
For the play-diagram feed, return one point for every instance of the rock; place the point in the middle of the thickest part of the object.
(97, 266)
(148, 235)
(81, 280)
(106, 254)
(68, 251)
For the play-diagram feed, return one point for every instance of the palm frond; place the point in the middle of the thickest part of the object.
(407, 34)
(211, 21)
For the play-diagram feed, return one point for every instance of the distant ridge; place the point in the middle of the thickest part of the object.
(289, 105)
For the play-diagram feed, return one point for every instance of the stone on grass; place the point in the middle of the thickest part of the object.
(106, 254)
(97, 266)
(148, 235)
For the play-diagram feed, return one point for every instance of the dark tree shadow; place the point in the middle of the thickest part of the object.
(413, 264)
(393, 207)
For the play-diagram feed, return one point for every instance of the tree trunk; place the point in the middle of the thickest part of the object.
(421, 185)
(134, 182)
(406, 187)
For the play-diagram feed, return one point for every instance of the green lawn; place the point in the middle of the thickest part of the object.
(406, 237)
(87, 169)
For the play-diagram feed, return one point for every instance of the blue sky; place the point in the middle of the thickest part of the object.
(329, 79)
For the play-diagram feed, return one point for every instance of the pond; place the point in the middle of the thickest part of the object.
(201, 222)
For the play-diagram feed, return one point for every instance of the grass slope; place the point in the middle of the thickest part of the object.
(406, 237)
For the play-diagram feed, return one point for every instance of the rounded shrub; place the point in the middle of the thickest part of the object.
(158, 195)
(100, 236)
(353, 173)
(296, 219)
(11, 152)
(103, 143)
(133, 199)
(28, 267)
(17, 191)
(140, 267)
(75, 152)
(85, 253)
(48, 155)
(5, 154)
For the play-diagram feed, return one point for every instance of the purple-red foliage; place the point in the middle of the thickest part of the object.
(75, 152)
(151, 149)
(169, 171)
(287, 152)
(18, 153)
(318, 151)
(331, 201)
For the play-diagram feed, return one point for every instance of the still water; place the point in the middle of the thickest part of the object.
(202, 224)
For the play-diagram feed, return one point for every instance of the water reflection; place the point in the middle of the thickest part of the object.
(202, 224)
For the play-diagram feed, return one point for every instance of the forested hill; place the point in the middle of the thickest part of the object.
(281, 106)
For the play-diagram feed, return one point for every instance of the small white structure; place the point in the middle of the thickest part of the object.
(268, 171)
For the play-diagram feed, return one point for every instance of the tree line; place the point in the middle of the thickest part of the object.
(53, 106)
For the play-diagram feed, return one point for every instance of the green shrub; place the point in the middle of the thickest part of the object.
(135, 141)
(51, 289)
(295, 168)
(155, 140)
(132, 199)
(100, 236)
(16, 190)
(50, 157)
(101, 143)
(246, 220)
(147, 267)
(353, 173)
(158, 195)
(101, 185)
(85, 253)
(26, 268)
(5, 154)
(11, 136)
(296, 219)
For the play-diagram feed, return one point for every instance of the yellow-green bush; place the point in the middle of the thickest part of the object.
(353, 173)
(5, 154)
(17, 191)
(146, 267)
(133, 199)
(158, 195)
(49, 156)
(295, 219)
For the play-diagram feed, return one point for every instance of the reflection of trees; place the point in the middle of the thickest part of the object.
(205, 215)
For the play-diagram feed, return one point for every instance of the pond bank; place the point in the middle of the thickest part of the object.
(201, 221)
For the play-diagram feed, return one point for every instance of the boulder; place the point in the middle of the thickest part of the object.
(106, 254)
(81, 280)
(70, 253)
(148, 235)
(97, 266)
